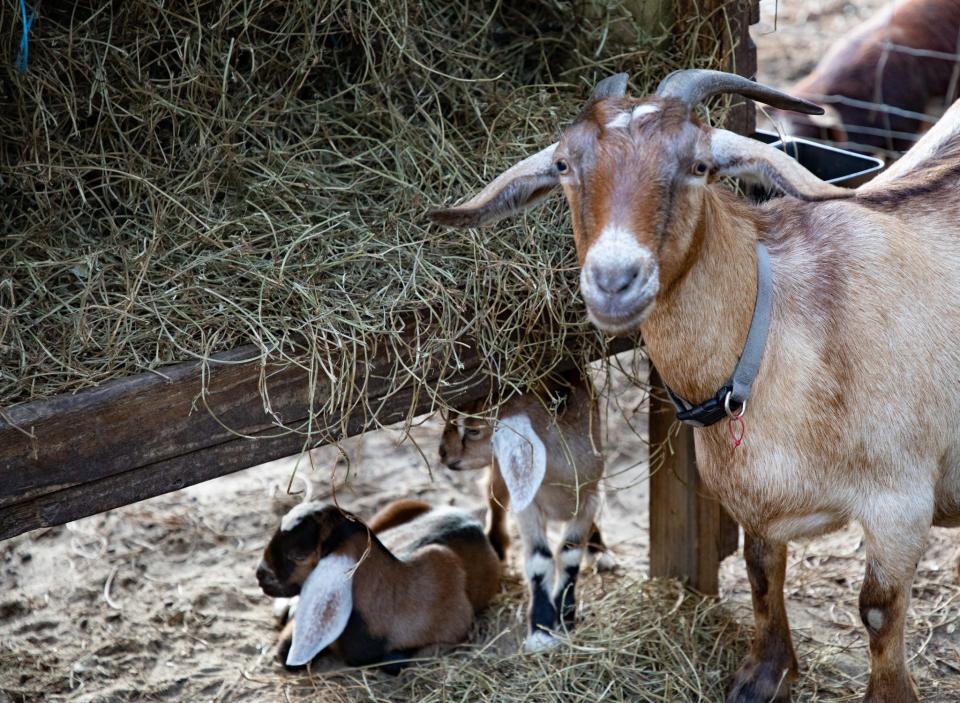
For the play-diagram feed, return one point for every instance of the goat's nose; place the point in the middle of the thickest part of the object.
(263, 572)
(455, 465)
(614, 280)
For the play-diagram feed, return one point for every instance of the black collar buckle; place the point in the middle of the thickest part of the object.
(706, 413)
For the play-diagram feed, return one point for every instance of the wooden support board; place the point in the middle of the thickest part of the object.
(71, 456)
(690, 532)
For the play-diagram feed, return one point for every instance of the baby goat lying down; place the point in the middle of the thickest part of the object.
(414, 576)
(546, 466)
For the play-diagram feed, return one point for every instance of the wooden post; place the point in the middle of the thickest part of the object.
(690, 532)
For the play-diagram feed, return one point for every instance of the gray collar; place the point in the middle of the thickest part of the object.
(731, 399)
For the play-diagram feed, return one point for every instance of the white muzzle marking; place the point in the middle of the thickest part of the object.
(616, 250)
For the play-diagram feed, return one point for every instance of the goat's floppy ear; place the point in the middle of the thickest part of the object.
(734, 155)
(522, 459)
(326, 600)
(520, 186)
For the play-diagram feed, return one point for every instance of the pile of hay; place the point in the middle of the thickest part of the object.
(183, 179)
(641, 641)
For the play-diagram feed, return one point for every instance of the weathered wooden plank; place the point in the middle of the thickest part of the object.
(147, 435)
(88, 497)
(52, 444)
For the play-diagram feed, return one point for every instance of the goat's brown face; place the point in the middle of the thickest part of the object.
(306, 534)
(633, 174)
(465, 444)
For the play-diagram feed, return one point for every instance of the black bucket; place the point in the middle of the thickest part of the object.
(828, 163)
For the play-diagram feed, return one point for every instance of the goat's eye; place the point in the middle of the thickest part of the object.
(472, 432)
(700, 168)
(562, 166)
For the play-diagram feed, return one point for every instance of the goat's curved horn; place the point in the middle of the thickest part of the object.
(614, 86)
(693, 86)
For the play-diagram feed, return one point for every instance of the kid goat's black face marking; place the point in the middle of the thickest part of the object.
(309, 532)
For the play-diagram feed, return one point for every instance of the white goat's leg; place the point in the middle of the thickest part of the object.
(893, 549)
(575, 537)
(598, 554)
(539, 568)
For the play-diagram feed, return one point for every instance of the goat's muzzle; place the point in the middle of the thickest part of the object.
(271, 586)
(619, 294)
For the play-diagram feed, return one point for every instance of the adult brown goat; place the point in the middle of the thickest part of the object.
(855, 403)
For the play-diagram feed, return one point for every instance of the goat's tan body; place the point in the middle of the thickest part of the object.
(856, 406)
(855, 412)
(574, 461)
(568, 440)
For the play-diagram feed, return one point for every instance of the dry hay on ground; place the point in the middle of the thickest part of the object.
(179, 182)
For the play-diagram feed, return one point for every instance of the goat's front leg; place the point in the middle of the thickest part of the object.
(597, 551)
(498, 498)
(575, 538)
(893, 550)
(539, 570)
(771, 667)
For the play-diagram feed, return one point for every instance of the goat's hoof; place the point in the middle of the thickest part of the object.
(761, 682)
(894, 690)
(283, 649)
(540, 641)
(605, 562)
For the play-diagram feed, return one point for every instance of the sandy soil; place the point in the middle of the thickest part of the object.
(158, 601)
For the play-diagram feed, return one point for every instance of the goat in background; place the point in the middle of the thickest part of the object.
(877, 83)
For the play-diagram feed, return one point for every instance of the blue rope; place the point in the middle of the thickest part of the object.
(24, 53)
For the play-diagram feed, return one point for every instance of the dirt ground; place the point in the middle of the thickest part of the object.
(158, 601)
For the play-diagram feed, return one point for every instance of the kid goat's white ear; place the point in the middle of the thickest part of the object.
(326, 601)
(522, 458)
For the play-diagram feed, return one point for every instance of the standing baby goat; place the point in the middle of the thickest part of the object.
(547, 466)
(415, 576)
(844, 307)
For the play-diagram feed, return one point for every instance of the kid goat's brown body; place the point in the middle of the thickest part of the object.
(855, 411)
(417, 577)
